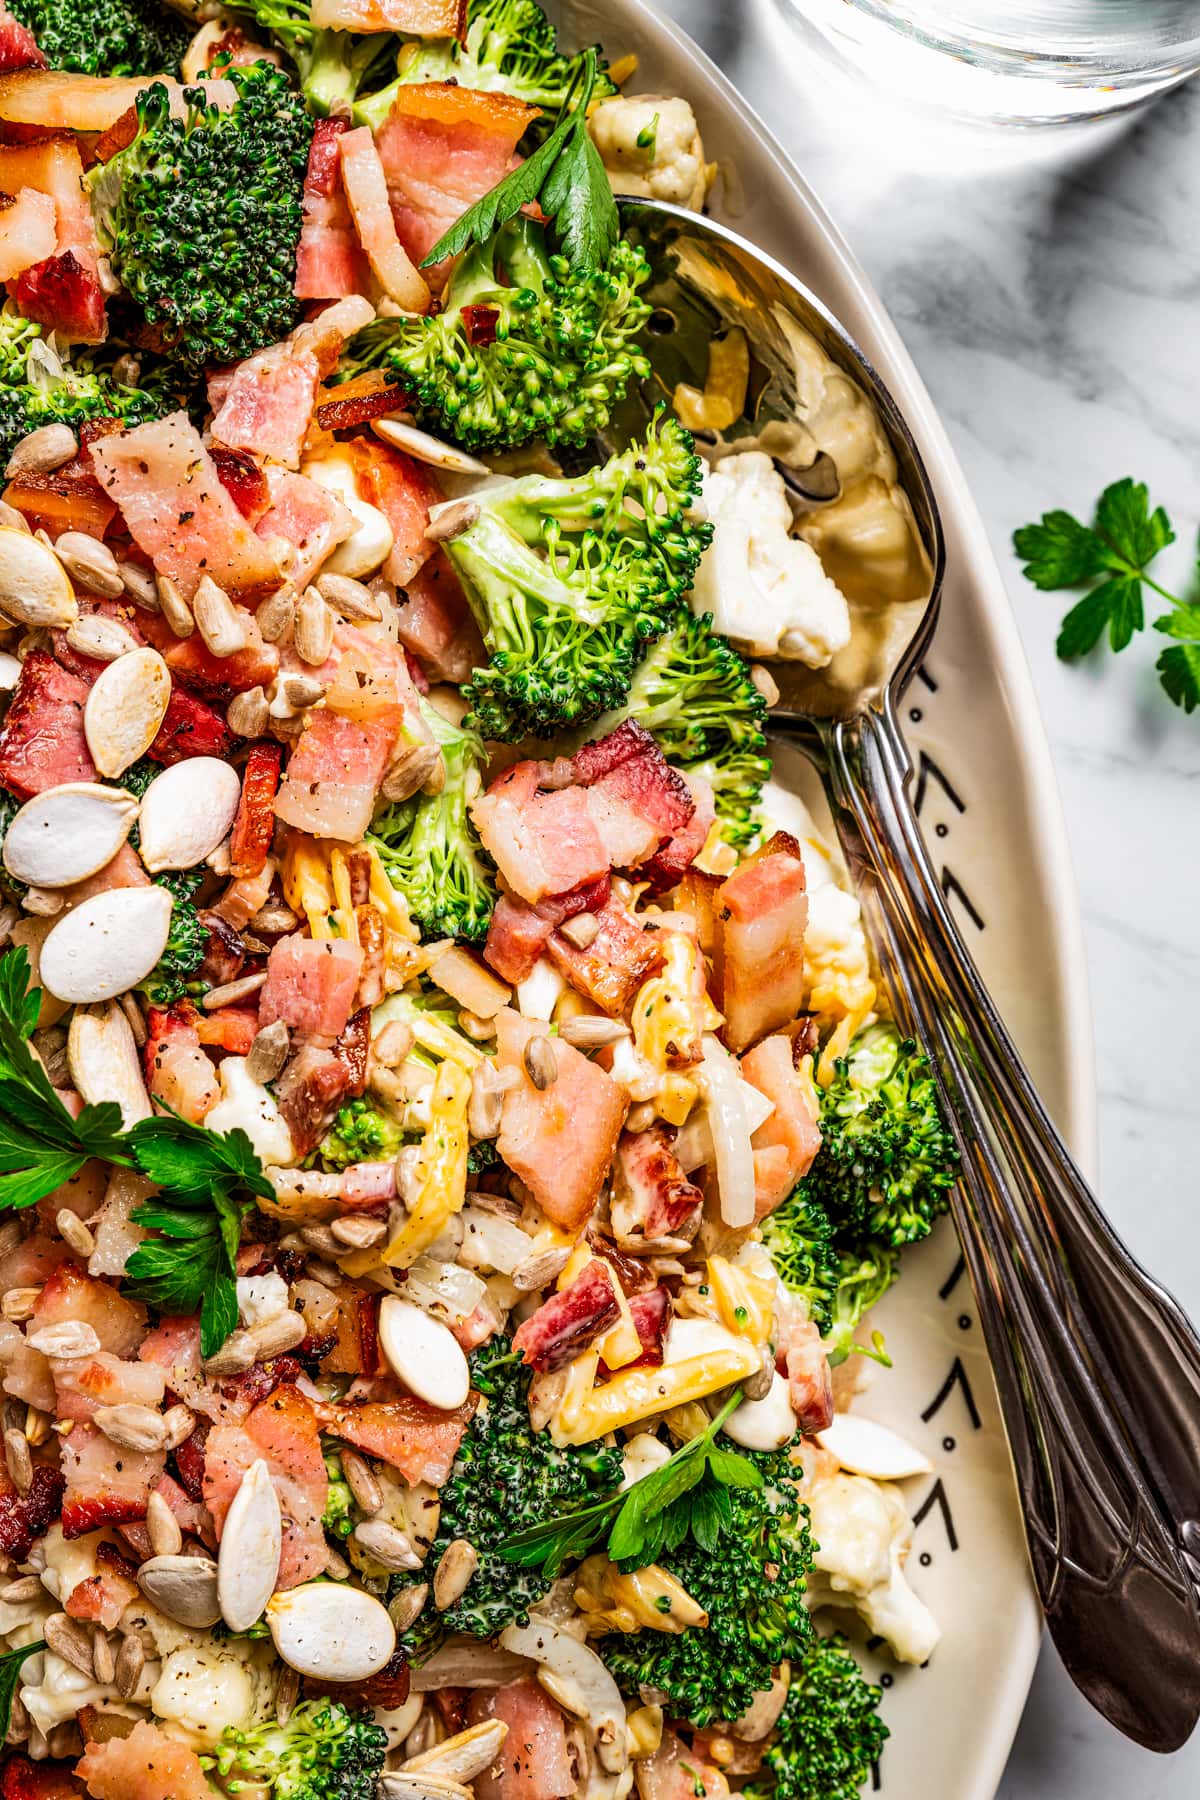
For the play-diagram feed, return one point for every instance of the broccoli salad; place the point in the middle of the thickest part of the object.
(452, 1136)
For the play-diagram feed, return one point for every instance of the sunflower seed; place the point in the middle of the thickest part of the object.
(44, 903)
(286, 1695)
(224, 627)
(236, 1355)
(352, 599)
(453, 1573)
(166, 1537)
(358, 1231)
(582, 930)
(74, 1232)
(70, 1641)
(251, 1544)
(230, 992)
(67, 1340)
(248, 712)
(301, 691)
(537, 1271)
(90, 564)
(541, 1064)
(184, 1587)
(588, 1031)
(268, 1052)
(28, 1587)
(131, 1660)
(461, 1757)
(408, 1605)
(362, 1481)
(451, 520)
(389, 1546)
(393, 1044)
(18, 1304)
(40, 451)
(180, 1422)
(139, 586)
(19, 1460)
(275, 614)
(137, 1427)
(125, 709)
(174, 608)
(104, 1661)
(312, 633)
(34, 589)
(275, 1337)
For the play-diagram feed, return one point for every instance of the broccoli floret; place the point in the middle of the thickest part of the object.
(864, 1275)
(694, 692)
(571, 579)
(523, 347)
(799, 1240)
(324, 1752)
(10, 887)
(753, 1592)
(482, 1156)
(430, 848)
(887, 1160)
(200, 216)
(506, 1477)
(829, 1732)
(341, 1514)
(187, 941)
(41, 386)
(331, 65)
(360, 1133)
(510, 45)
(107, 37)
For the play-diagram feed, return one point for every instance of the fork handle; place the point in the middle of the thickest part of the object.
(1097, 1368)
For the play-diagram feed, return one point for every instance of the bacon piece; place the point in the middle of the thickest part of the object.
(226, 954)
(671, 861)
(518, 933)
(254, 825)
(72, 1294)
(329, 258)
(560, 1141)
(31, 1262)
(758, 949)
(542, 843)
(356, 402)
(569, 1320)
(334, 776)
(64, 499)
(146, 1765)
(436, 623)
(177, 1071)
(303, 524)
(366, 189)
(403, 490)
(534, 1761)
(28, 229)
(267, 404)
(423, 18)
(26, 1371)
(24, 1517)
(353, 1050)
(65, 297)
(170, 495)
(282, 1430)
(106, 1484)
(62, 292)
(787, 1141)
(652, 1197)
(310, 984)
(193, 665)
(243, 480)
(124, 871)
(638, 801)
(810, 1383)
(417, 1440)
(42, 742)
(442, 148)
(388, 1689)
(21, 1779)
(309, 1092)
(189, 728)
(356, 1350)
(102, 1598)
(18, 50)
(85, 1383)
(232, 1028)
(615, 964)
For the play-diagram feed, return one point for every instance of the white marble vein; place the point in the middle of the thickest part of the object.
(1049, 293)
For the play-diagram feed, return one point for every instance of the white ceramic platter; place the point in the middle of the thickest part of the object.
(987, 799)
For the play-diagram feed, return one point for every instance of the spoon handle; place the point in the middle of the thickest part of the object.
(1097, 1367)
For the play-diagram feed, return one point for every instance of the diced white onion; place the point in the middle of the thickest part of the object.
(729, 1122)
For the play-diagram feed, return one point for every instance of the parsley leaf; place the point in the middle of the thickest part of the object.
(190, 1266)
(1115, 552)
(565, 177)
(688, 1493)
(10, 1679)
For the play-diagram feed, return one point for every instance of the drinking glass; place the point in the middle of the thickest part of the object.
(1025, 62)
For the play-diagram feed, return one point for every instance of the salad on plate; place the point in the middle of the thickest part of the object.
(451, 1133)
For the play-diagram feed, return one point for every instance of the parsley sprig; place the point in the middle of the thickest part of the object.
(203, 1175)
(1111, 557)
(11, 1665)
(564, 176)
(690, 1493)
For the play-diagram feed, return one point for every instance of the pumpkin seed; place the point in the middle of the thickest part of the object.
(251, 1544)
(186, 812)
(463, 1756)
(103, 1059)
(125, 709)
(106, 944)
(34, 589)
(67, 833)
(48, 447)
(423, 1353)
(334, 1633)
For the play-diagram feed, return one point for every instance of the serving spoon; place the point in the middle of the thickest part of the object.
(1096, 1366)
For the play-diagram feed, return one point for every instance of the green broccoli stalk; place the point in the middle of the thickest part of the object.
(200, 216)
(430, 848)
(571, 579)
(331, 65)
(887, 1160)
(341, 1514)
(694, 693)
(506, 1476)
(41, 386)
(829, 1732)
(524, 346)
(360, 1133)
(187, 942)
(511, 46)
(324, 1752)
(106, 37)
(753, 1592)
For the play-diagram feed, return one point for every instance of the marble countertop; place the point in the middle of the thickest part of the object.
(1047, 288)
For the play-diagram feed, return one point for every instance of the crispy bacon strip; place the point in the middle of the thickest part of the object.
(570, 1320)
(254, 825)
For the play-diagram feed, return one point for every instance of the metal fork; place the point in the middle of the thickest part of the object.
(1097, 1367)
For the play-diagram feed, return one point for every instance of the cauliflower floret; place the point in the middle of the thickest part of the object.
(261, 1297)
(651, 146)
(203, 1689)
(865, 1534)
(53, 1691)
(245, 1103)
(764, 588)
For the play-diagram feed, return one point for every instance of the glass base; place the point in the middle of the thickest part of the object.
(982, 69)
